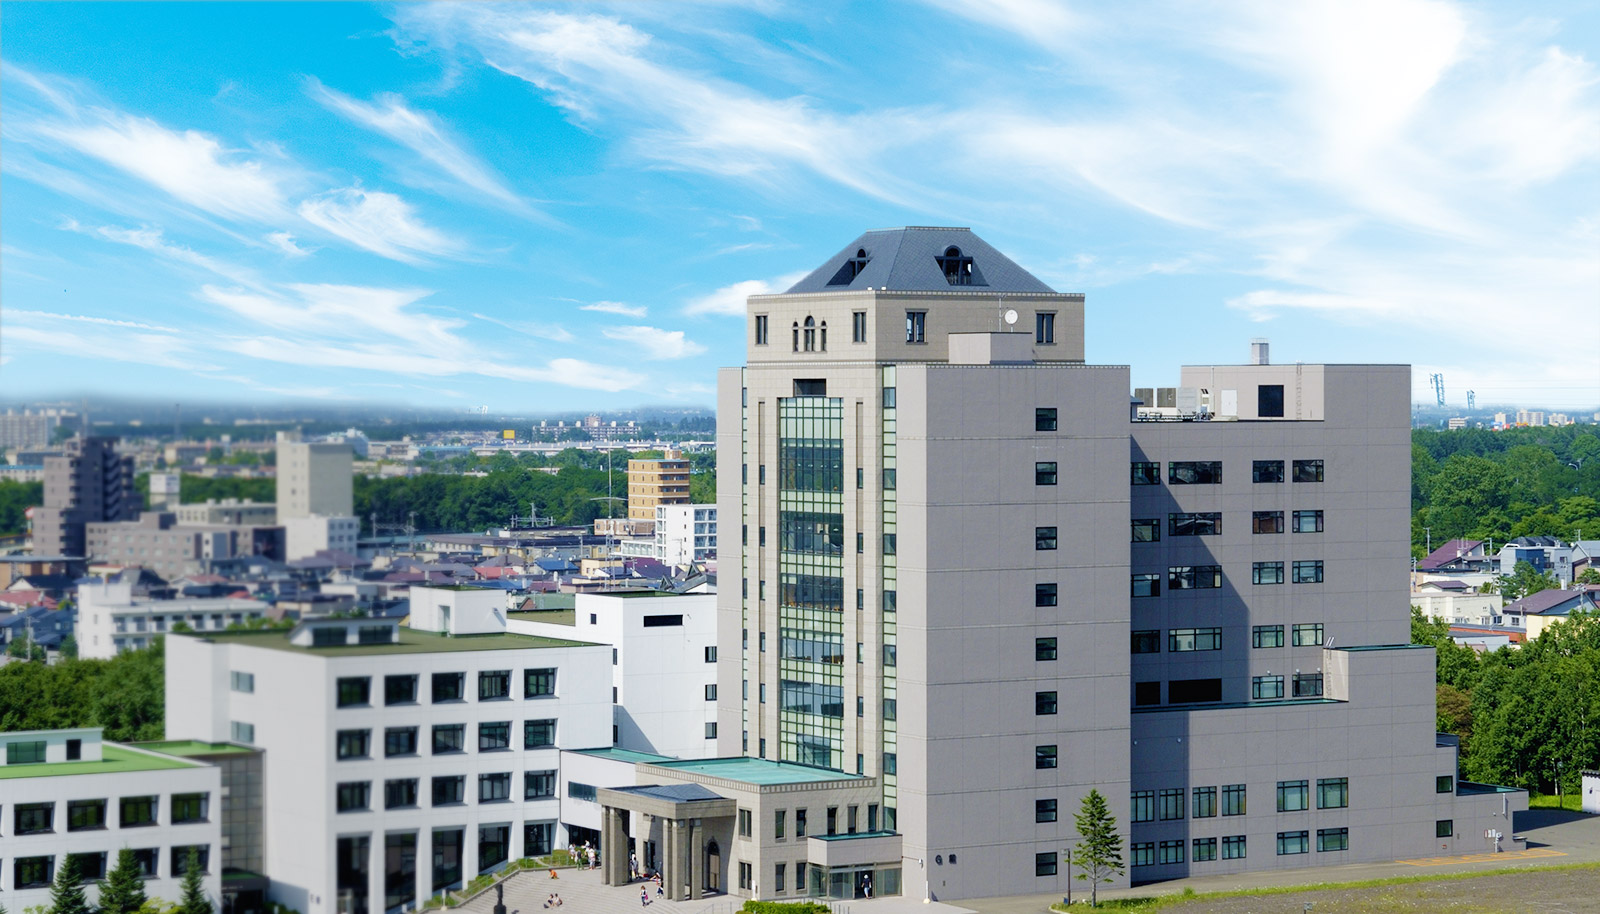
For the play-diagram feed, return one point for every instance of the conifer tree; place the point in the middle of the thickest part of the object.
(1100, 853)
(66, 894)
(194, 899)
(123, 890)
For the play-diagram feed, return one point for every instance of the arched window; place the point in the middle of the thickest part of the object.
(956, 267)
(797, 336)
(811, 334)
(824, 328)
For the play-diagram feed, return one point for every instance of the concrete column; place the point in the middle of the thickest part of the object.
(375, 871)
(667, 860)
(680, 860)
(424, 864)
(697, 859)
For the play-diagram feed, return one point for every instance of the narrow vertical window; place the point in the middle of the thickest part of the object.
(858, 327)
(1044, 328)
(761, 330)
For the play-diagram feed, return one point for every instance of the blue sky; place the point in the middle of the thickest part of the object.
(540, 208)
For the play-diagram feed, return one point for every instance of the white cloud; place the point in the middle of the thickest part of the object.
(194, 167)
(615, 307)
(420, 132)
(284, 242)
(342, 312)
(730, 300)
(540, 331)
(596, 66)
(153, 240)
(87, 319)
(654, 343)
(379, 222)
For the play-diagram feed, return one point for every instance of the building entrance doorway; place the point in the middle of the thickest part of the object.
(713, 867)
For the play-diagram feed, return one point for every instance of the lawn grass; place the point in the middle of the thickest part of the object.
(1571, 802)
(1149, 905)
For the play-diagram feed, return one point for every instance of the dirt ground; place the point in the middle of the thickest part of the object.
(1560, 892)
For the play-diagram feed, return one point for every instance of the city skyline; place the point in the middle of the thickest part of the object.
(517, 205)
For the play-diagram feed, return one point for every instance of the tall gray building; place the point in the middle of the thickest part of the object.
(315, 478)
(89, 483)
(968, 567)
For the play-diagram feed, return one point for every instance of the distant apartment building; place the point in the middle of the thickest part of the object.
(226, 512)
(112, 620)
(314, 478)
(657, 482)
(158, 542)
(315, 495)
(685, 533)
(306, 536)
(72, 793)
(22, 472)
(1457, 422)
(90, 483)
(29, 429)
(663, 664)
(397, 761)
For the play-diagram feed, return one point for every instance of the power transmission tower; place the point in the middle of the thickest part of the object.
(1472, 399)
(1437, 380)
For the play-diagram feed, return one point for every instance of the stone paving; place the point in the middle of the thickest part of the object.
(582, 893)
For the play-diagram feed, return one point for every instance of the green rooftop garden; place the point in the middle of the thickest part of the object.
(117, 759)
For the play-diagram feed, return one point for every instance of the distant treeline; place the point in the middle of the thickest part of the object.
(1495, 485)
(125, 695)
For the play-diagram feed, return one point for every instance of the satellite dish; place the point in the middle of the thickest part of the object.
(1011, 317)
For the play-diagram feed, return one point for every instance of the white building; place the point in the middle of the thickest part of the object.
(305, 536)
(111, 619)
(1457, 603)
(664, 670)
(685, 533)
(68, 792)
(313, 478)
(398, 761)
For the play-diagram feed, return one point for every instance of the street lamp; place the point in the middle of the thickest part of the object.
(1068, 853)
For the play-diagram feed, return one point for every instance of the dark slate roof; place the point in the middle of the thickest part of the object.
(677, 793)
(905, 260)
(1448, 553)
(1544, 601)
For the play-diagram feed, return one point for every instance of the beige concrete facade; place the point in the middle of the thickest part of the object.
(656, 482)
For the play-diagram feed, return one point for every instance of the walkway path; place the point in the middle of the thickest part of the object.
(1554, 837)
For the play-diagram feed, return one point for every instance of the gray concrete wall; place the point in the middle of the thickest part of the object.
(968, 623)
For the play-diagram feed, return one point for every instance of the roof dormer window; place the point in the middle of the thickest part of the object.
(957, 268)
(851, 269)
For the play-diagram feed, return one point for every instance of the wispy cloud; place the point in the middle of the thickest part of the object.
(599, 67)
(422, 133)
(729, 300)
(380, 222)
(654, 343)
(192, 166)
(615, 307)
(549, 332)
(87, 319)
(284, 242)
(153, 240)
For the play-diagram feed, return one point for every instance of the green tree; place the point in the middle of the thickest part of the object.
(123, 890)
(1591, 575)
(66, 894)
(1523, 580)
(1099, 855)
(69, 647)
(193, 899)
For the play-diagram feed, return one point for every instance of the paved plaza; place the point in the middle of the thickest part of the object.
(1554, 837)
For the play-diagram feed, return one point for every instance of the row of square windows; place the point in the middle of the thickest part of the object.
(1293, 796)
(1192, 472)
(40, 872)
(1209, 577)
(1166, 853)
(447, 790)
(448, 739)
(493, 685)
(90, 815)
(1180, 640)
(1209, 523)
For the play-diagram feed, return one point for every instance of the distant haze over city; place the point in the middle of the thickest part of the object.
(546, 208)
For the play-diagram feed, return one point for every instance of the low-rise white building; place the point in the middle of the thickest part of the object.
(69, 792)
(664, 669)
(398, 761)
(1457, 603)
(111, 619)
(304, 536)
(685, 533)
